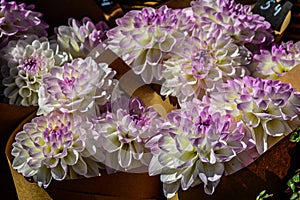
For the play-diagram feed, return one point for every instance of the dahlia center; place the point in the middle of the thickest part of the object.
(31, 65)
(202, 124)
(138, 118)
(69, 81)
(67, 85)
(199, 66)
(200, 56)
(55, 134)
(152, 18)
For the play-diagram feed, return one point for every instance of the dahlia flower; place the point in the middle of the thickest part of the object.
(76, 87)
(80, 38)
(275, 63)
(124, 131)
(24, 64)
(209, 57)
(143, 38)
(265, 106)
(57, 146)
(196, 149)
(18, 21)
(236, 19)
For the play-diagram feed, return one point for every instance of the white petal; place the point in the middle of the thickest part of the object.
(58, 173)
(171, 189)
(143, 39)
(275, 127)
(124, 156)
(260, 138)
(168, 44)
(167, 143)
(139, 62)
(112, 143)
(80, 167)
(72, 157)
(147, 74)
(137, 150)
(153, 56)
(189, 177)
(166, 159)
(183, 143)
(43, 177)
(92, 168)
(155, 167)
(251, 119)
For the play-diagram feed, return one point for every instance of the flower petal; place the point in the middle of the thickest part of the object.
(80, 167)
(168, 44)
(44, 177)
(124, 156)
(154, 56)
(260, 139)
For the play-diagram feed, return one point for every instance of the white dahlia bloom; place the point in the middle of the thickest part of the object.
(23, 65)
(77, 87)
(143, 38)
(56, 146)
(206, 58)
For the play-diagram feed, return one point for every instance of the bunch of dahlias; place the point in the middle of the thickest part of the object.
(235, 19)
(216, 57)
(58, 76)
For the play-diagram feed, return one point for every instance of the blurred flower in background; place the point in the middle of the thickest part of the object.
(79, 38)
(18, 21)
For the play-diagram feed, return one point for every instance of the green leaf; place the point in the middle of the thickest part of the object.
(295, 136)
(290, 182)
(296, 178)
(263, 195)
(294, 196)
(293, 187)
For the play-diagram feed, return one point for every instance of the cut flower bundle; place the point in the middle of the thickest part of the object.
(216, 57)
